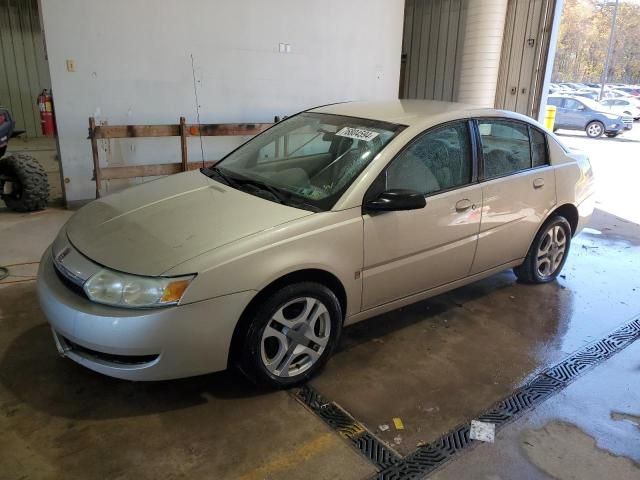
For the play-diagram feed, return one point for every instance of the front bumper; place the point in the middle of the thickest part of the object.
(139, 344)
(618, 129)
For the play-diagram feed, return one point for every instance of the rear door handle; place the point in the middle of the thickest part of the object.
(538, 183)
(462, 205)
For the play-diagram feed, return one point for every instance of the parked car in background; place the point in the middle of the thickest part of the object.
(578, 113)
(587, 93)
(629, 90)
(331, 216)
(623, 106)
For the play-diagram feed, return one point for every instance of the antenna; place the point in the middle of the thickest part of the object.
(195, 94)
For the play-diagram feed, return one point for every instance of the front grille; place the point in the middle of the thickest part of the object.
(74, 287)
(627, 121)
(110, 357)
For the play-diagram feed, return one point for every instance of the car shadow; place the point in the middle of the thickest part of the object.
(35, 374)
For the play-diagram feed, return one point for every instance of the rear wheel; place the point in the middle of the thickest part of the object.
(547, 253)
(291, 335)
(594, 129)
(23, 183)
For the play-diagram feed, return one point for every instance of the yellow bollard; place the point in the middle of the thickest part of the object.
(550, 117)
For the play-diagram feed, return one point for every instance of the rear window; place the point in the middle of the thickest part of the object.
(510, 146)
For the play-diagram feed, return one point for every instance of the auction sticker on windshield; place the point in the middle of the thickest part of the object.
(357, 133)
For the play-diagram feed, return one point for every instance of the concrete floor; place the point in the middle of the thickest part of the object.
(433, 364)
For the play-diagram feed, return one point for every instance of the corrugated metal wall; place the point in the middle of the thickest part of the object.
(23, 67)
(524, 53)
(431, 48)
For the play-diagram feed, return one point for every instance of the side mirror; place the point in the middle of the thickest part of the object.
(396, 199)
(581, 107)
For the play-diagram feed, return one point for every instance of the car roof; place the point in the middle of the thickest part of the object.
(412, 112)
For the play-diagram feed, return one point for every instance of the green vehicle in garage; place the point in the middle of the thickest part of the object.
(579, 113)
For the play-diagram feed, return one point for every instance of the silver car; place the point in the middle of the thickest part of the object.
(330, 217)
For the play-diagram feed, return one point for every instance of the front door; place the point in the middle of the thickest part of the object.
(518, 189)
(408, 252)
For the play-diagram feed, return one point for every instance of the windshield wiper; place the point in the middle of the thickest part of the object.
(263, 186)
(215, 170)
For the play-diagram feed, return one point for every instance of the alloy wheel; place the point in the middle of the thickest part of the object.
(551, 251)
(295, 337)
(594, 130)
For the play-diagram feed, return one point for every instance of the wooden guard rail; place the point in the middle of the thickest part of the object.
(182, 130)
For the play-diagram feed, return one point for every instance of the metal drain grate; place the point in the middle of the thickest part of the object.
(432, 456)
(366, 442)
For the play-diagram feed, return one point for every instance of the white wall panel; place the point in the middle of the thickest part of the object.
(133, 65)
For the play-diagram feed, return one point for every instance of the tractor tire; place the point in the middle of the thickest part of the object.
(30, 186)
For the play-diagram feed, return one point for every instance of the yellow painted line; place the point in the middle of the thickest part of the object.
(292, 458)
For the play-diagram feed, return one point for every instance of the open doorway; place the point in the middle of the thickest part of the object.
(24, 75)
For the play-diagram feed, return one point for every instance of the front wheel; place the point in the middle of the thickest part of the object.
(291, 335)
(547, 253)
(594, 129)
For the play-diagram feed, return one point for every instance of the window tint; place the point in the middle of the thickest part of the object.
(572, 104)
(438, 160)
(538, 148)
(505, 147)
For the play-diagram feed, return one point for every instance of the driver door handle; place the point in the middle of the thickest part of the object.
(462, 205)
(538, 183)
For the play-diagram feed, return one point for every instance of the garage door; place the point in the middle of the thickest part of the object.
(23, 68)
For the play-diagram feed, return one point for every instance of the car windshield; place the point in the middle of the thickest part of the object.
(306, 161)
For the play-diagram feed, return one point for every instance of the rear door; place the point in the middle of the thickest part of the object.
(575, 113)
(518, 189)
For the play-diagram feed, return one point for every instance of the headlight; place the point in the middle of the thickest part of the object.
(124, 290)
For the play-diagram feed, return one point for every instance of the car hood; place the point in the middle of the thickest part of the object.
(149, 229)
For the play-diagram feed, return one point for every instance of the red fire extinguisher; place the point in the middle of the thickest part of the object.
(47, 121)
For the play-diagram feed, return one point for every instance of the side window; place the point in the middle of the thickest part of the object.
(572, 104)
(538, 148)
(437, 160)
(554, 101)
(505, 147)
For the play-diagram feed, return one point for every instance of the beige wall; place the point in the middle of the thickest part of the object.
(133, 65)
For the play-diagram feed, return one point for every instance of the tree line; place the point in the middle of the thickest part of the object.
(583, 40)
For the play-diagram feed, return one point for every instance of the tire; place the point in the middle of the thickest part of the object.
(594, 129)
(30, 189)
(612, 135)
(3, 150)
(276, 344)
(534, 268)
